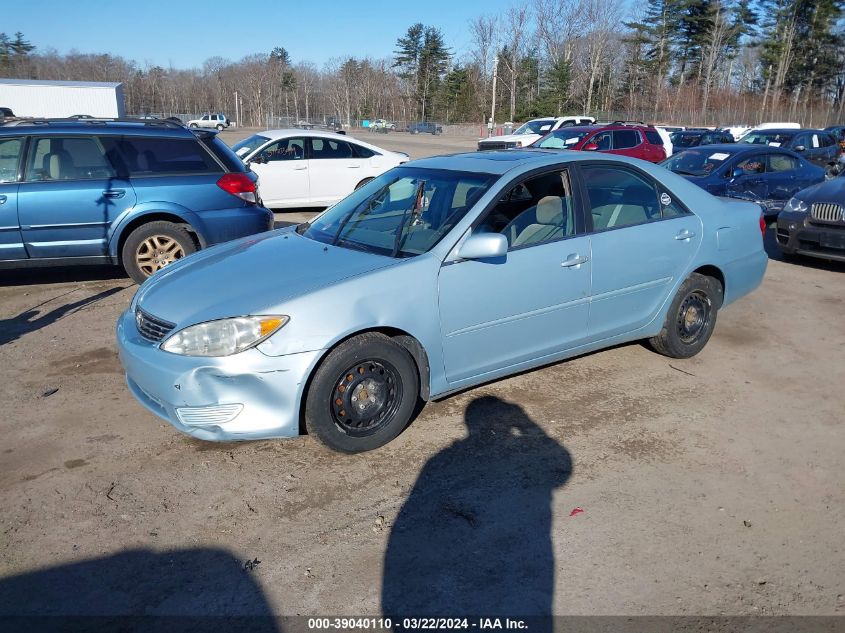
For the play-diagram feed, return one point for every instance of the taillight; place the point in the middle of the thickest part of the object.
(762, 225)
(240, 185)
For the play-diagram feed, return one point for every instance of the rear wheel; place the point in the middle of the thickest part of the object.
(362, 183)
(152, 246)
(691, 318)
(363, 394)
(219, 127)
(192, 125)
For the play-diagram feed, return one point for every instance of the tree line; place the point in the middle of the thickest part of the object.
(699, 62)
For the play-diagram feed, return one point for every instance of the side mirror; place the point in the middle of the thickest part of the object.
(258, 159)
(484, 246)
(591, 147)
(800, 148)
(736, 173)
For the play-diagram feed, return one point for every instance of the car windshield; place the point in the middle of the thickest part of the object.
(679, 139)
(540, 126)
(775, 139)
(402, 213)
(696, 162)
(561, 139)
(249, 145)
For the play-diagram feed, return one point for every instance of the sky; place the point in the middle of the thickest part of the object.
(184, 34)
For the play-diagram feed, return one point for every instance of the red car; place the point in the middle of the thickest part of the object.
(636, 141)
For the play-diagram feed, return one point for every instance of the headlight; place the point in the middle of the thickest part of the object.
(224, 337)
(796, 206)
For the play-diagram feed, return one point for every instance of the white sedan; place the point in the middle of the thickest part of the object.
(299, 168)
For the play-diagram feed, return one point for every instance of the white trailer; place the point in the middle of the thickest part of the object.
(60, 99)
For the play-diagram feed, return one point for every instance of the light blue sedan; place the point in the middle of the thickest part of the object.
(437, 275)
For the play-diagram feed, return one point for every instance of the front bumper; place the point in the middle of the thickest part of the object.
(796, 235)
(241, 397)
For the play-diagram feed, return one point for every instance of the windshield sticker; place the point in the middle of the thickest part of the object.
(665, 200)
(774, 144)
(571, 141)
(242, 151)
(719, 156)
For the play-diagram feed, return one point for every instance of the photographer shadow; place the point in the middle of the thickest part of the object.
(474, 536)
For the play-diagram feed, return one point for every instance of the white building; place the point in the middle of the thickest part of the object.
(60, 99)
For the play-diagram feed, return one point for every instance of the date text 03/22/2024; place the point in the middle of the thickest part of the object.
(411, 624)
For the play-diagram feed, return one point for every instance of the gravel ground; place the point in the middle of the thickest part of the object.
(707, 486)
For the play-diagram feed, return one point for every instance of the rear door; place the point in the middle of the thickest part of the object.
(642, 241)
(336, 169)
(69, 197)
(11, 241)
(782, 177)
(283, 173)
(628, 143)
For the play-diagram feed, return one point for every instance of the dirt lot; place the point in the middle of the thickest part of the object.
(708, 486)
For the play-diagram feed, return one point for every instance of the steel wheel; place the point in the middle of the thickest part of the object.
(156, 252)
(366, 397)
(693, 316)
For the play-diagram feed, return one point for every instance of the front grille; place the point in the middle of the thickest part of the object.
(826, 211)
(150, 327)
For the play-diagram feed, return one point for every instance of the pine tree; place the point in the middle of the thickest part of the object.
(423, 60)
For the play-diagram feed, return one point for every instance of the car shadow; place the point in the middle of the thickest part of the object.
(474, 535)
(32, 319)
(770, 243)
(200, 589)
(59, 275)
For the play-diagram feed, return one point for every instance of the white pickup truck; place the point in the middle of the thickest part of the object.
(217, 121)
(529, 132)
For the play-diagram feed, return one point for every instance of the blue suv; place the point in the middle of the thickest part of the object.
(135, 193)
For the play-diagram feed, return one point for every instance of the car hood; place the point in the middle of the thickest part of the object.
(253, 275)
(832, 190)
(510, 138)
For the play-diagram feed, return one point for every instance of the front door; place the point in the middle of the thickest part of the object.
(751, 183)
(642, 241)
(529, 304)
(69, 197)
(11, 242)
(283, 177)
(335, 170)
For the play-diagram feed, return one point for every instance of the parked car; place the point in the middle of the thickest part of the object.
(438, 275)
(634, 141)
(216, 121)
(736, 131)
(141, 195)
(381, 125)
(683, 140)
(813, 222)
(531, 131)
(838, 133)
(425, 127)
(6, 114)
(767, 175)
(815, 145)
(301, 168)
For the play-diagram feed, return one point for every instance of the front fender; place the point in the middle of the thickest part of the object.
(129, 216)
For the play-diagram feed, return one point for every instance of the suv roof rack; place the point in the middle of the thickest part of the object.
(631, 123)
(100, 121)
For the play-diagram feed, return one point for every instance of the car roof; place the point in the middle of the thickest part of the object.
(780, 130)
(739, 148)
(288, 132)
(140, 127)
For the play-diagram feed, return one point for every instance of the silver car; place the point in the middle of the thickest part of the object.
(438, 275)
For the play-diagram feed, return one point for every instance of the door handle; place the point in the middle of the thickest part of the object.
(353, 166)
(114, 193)
(684, 235)
(3, 199)
(574, 260)
(300, 168)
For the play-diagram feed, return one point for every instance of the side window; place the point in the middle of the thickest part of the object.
(205, 117)
(752, 165)
(10, 154)
(625, 139)
(653, 138)
(603, 140)
(782, 162)
(619, 197)
(801, 139)
(535, 211)
(286, 149)
(669, 207)
(150, 156)
(324, 148)
(74, 158)
(362, 152)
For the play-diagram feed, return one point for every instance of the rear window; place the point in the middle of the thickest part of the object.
(223, 153)
(148, 156)
(653, 137)
(623, 139)
(362, 152)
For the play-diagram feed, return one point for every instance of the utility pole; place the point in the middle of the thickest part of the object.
(237, 110)
(493, 109)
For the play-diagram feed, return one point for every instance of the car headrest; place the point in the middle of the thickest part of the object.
(549, 210)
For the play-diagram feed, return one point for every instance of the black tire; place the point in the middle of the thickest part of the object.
(384, 372)
(691, 318)
(219, 127)
(192, 125)
(139, 248)
(362, 183)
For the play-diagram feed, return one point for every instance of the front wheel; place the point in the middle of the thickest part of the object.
(691, 318)
(363, 394)
(154, 245)
(219, 127)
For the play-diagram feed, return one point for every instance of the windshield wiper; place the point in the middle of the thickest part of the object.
(418, 200)
(302, 228)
